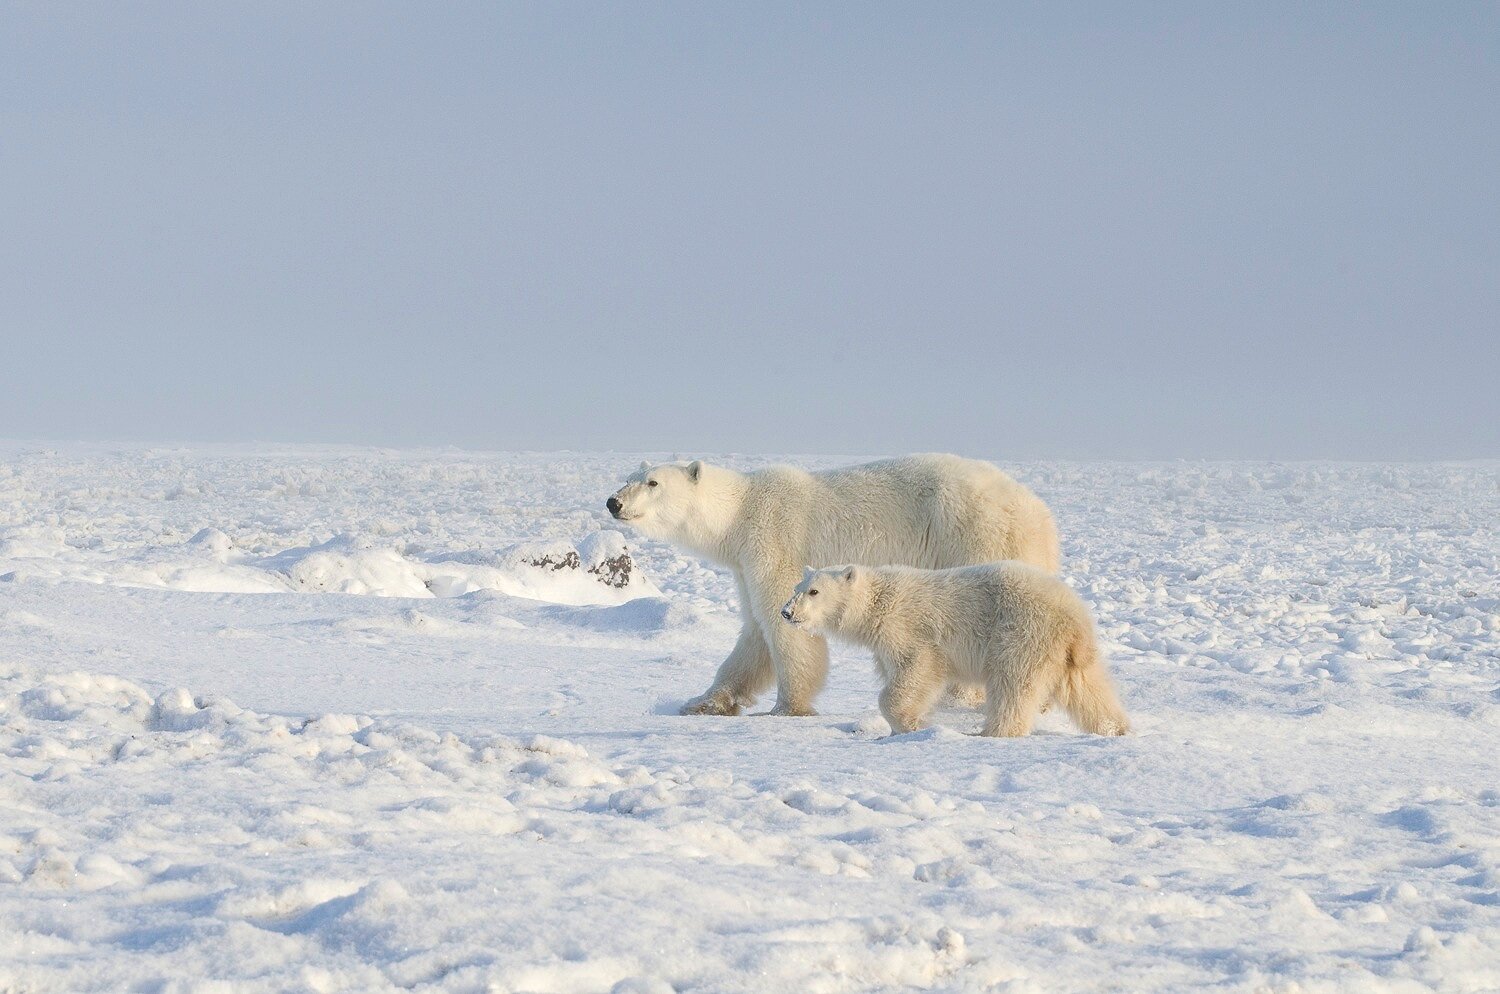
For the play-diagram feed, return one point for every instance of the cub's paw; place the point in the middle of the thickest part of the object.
(903, 722)
(714, 702)
(791, 711)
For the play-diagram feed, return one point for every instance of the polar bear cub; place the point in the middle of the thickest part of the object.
(1018, 630)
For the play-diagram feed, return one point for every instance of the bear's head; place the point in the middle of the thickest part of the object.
(820, 600)
(659, 500)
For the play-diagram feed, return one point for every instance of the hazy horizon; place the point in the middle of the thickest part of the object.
(1038, 233)
(744, 459)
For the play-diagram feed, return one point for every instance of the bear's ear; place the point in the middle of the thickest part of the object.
(644, 466)
(695, 470)
(849, 573)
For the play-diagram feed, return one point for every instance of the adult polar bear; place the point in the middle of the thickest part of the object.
(929, 511)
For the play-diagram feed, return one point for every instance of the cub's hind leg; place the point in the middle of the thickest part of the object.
(1020, 684)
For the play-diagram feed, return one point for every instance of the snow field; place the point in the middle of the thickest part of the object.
(478, 789)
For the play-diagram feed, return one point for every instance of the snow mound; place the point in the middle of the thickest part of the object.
(348, 565)
(598, 570)
(642, 616)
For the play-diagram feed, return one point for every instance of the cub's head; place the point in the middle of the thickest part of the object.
(820, 600)
(658, 499)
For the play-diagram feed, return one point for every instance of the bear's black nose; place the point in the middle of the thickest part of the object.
(786, 613)
(614, 506)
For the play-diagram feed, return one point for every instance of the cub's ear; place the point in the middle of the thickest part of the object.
(849, 573)
(644, 466)
(695, 470)
(807, 571)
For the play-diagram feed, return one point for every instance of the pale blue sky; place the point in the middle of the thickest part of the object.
(1148, 230)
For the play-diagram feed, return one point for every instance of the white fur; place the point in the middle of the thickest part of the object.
(1020, 631)
(931, 511)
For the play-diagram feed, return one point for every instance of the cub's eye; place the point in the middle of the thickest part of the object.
(812, 593)
(650, 483)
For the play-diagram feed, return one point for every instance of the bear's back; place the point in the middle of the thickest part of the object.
(931, 510)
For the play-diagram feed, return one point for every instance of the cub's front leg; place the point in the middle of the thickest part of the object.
(799, 658)
(913, 683)
(801, 661)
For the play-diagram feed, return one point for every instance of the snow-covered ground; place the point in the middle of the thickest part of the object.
(323, 719)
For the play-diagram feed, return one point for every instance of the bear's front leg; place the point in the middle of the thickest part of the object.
(742, 676)
(801, 661)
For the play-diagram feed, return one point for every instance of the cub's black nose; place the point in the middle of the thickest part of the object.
(786, 613)
(614, 506)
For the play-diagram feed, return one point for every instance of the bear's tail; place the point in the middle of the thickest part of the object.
(1087, 693)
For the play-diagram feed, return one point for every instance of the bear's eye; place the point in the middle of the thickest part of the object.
(650, 483)
(812, 593)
